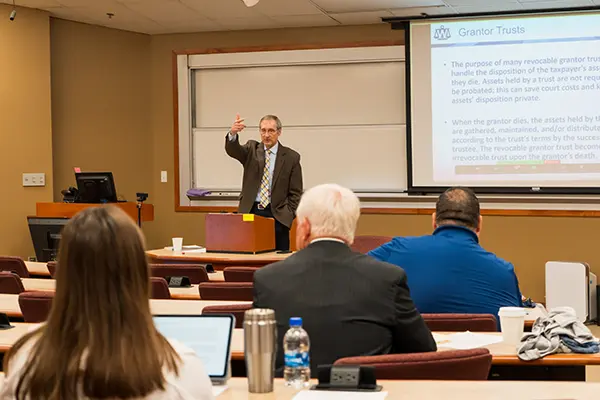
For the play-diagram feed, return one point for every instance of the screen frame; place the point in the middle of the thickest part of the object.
(231, 318)
(405, 24)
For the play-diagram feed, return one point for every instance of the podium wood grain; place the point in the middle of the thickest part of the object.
(239, 233)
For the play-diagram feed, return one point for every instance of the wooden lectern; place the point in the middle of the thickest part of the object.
(239, 233)
(53, 210)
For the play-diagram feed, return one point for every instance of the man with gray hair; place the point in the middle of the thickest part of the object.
(272, 178)
(351, 304)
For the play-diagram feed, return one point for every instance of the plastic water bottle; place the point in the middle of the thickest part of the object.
(296, 347)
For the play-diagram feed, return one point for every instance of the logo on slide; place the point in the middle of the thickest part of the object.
(442, 33)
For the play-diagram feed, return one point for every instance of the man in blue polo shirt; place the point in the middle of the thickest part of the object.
(449, 271)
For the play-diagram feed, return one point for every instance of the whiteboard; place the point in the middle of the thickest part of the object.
(362, 158)
(343, 110)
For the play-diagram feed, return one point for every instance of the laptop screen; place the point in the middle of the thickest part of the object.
(208, 335)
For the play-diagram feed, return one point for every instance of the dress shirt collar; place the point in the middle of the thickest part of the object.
(456, 231)
(328, 239)
(273, 149)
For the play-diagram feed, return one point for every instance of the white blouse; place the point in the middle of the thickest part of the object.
(192, 383)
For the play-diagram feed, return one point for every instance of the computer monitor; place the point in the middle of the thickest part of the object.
(208, 335)
(45, 235)
(96, 187)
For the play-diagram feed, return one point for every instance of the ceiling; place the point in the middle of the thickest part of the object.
(178, 16)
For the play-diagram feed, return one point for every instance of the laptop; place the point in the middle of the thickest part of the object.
(208, 335)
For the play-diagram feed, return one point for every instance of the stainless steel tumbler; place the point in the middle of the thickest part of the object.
(260, 349)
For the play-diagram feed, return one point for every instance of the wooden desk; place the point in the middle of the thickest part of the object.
(69, 209)
(9, 304)
(218, 260)
(40, 269)
(237, 389)
(189, 293)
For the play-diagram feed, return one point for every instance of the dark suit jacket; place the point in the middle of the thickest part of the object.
(351, 304)
(286, 188)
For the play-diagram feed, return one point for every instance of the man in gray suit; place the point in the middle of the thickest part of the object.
(351, 304)
(272, 181)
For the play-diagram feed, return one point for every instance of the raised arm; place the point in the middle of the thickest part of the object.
(232, 141)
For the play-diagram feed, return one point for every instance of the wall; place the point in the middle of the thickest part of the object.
(26, 135)
(101, 105)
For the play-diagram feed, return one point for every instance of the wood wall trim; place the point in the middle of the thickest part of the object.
(428, 211)
(314, 46)
(176, 129)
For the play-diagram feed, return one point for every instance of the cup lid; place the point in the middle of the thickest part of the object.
(259, 314)
(512, 311)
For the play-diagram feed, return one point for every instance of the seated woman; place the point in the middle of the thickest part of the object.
(100, 340)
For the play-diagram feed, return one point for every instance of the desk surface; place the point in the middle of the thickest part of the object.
(189, 293)
(501, 354)
(237, 389)
(37, 268)
(216, 258)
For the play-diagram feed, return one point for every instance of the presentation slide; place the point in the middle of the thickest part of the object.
(506, 102)
(207, 336)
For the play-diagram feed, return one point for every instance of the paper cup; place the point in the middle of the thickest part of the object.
(512, 324)
(177, 244)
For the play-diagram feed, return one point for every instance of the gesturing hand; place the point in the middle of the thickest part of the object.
(238, 125)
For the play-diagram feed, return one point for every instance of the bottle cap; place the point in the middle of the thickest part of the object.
(295, 321)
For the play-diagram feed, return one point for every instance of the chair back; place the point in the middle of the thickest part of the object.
(472, 365)
(10, 283)
(52, 268)
(35, 306)
(237, 310)
(196, 272)
(239, 274)
(461, 322)
(366, 243)
(14, 264)
(159, 288)
(240, 291)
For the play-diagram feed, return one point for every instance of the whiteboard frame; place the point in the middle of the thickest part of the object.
(186, 64)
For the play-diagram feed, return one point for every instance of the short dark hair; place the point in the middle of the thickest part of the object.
(457, 206)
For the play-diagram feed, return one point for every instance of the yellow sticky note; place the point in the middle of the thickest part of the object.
(248, 217)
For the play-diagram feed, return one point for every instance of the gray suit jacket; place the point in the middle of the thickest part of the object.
(351, 304)
(286, 188)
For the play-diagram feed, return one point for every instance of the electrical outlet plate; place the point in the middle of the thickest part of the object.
(34, 179)
(163, 176)
(347, 376)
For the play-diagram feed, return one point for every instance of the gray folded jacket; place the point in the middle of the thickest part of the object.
(547, 333)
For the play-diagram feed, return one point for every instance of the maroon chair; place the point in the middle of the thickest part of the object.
(239, 274)
(14, 264)
(159, 288)
(237, 310)
(10, 283)
(453, 365)
(461, 322)
(51, 268)
(240, 291)
(196, 272)
(35, 306)
(364, 244)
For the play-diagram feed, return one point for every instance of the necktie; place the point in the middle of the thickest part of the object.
(265, 184)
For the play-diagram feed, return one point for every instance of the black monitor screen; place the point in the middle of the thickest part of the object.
(96, 187)
(45, 235)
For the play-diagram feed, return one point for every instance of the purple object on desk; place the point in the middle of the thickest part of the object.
(198, 192)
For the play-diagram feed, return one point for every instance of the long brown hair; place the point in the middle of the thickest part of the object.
(100, 339)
